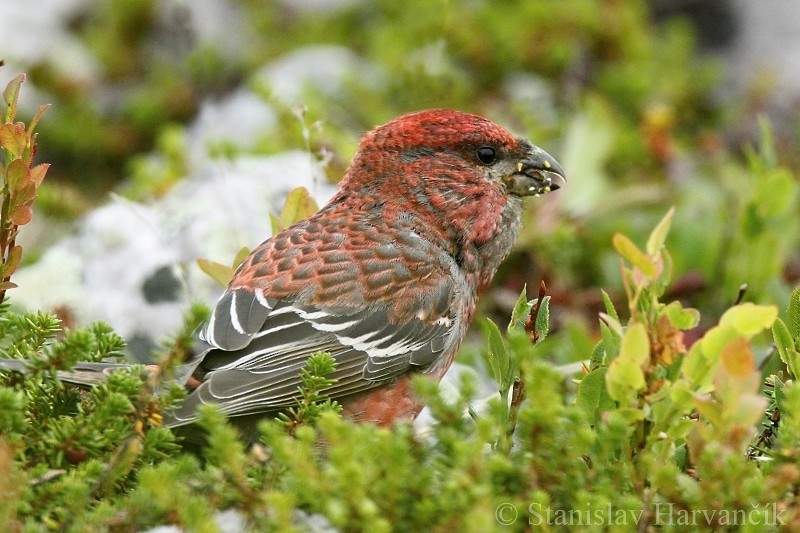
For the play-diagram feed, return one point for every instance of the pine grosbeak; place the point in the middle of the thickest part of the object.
(385, 277)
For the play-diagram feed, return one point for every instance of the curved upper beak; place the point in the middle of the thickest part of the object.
(537, 173)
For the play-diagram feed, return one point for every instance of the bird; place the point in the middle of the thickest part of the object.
(385, 277)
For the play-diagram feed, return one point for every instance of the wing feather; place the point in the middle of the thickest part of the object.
(381, 303)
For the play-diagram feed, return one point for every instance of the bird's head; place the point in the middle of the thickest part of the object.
(454, 149)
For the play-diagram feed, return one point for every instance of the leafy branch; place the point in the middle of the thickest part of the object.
(20, 180)
(529, 320)
(311, 400)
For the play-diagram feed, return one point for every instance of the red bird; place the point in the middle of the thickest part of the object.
(385, 277)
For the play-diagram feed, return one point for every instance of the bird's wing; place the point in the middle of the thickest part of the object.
(397, 314)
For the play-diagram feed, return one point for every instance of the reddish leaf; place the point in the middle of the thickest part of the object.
(4, 286)
(13, 260)
(26, 194)
(738, 359)
(17, 174)
(20, 215)
(39, 172)
(35, 120)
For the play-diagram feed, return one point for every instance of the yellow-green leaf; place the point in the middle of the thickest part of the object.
(11, 96)
(274, 224)
(635, 345)
(631, 253)
(220, 273)
(681, 318)
(298, 206)
(656, 240)
(13, 138)
(624, 379)
(240, 256)
(749, 319)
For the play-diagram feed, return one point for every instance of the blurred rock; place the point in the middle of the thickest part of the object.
(134, 265)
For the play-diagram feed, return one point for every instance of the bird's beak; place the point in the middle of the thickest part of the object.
(536, 174)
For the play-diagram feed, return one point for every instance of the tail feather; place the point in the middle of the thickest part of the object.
(83, 374)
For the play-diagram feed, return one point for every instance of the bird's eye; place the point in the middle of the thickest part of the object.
(486, 155)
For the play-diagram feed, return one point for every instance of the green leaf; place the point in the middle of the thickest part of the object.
(774, 193)
(274, 223)
(635, 345)
(542, 325)
(624, 379)
(626, 415)
(703, 358)
(716, 338)
(794, 313)
(220, 273)
(499, 358)
(521, 311)
(241, 255)
(656, 240)
(767, 143)
(780, 393)
(11, 96)
(598, 353)
(592, 396)
(786, 346)
(609, 305)
(613, 324)
(631, 253)
(681, 318)
(749, 318)
(611, 341)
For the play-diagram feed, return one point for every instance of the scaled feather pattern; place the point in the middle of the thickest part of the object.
(385, 277)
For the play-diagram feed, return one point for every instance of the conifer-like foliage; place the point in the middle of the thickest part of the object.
(675, 418)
